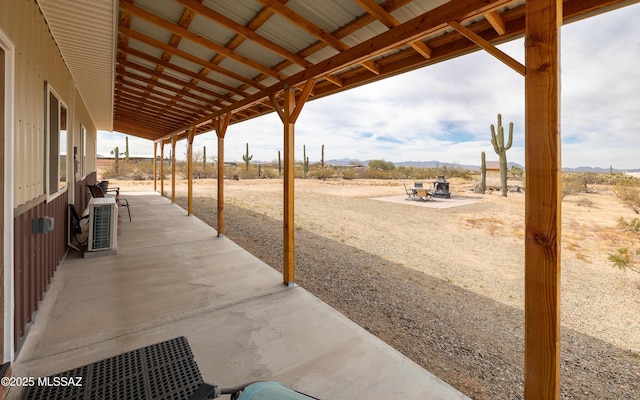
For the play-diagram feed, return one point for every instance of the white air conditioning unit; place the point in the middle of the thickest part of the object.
(103, 224)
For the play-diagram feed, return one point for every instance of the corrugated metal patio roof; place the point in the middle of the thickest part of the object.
(178, 63)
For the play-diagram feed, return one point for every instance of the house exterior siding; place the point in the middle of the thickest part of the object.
(39, 67)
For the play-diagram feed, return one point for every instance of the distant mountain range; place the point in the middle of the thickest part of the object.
(435, 164)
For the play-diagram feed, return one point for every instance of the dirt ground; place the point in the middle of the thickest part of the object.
(478, 247)
(443, 281)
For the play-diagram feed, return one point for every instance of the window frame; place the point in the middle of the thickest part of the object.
(82, 154)
(54, 163)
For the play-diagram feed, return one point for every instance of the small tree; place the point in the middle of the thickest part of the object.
(204, 160)
(381, 164)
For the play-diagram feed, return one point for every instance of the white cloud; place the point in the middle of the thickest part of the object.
(443, 112)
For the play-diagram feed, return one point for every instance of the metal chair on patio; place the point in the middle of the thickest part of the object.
(98, 192)
(411, 193)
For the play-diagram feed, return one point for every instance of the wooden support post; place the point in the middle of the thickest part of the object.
(220, 125)
(190, 135)
(288, 269)
(289, 113)
(161, 168)
(173, 169)
(155, 166)
(543, 199)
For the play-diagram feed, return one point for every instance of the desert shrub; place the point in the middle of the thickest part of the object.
(375, 173)
(629, 193)
(626, 257)
(572, 184)
(129, 171)
(585, 203)
(349, 174)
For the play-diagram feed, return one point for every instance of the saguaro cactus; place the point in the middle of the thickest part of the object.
(279, 164)
(483, 170)
(116, 153)
(204, 160)
(126, 149)
(305, 160)
(497, 140)
(246, 157)
(322, 163)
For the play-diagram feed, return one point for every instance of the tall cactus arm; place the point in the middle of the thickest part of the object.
(494, 139)
(510, 141)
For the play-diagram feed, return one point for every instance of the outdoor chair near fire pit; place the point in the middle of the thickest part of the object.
(98, 192)
(411, 193)
(417, 192)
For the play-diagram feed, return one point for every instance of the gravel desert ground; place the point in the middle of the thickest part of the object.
(443, 281)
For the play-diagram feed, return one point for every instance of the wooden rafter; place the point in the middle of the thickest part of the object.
(390, 21)
(496, 21)
(430, 22)
(304, 24)
(491, 49)
(222, 88)
(196, 76)
(135, 91)
(188, 56)
(209, 44)
(189, 90)
(242, 30)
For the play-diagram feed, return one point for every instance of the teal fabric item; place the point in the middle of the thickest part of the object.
(270, 391)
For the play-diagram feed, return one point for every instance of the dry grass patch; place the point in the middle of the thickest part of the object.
(490, 224)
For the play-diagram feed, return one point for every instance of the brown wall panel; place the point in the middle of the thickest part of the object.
(36, 258)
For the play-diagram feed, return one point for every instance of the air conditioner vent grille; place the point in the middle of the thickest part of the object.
(102, 227)
(103, 224)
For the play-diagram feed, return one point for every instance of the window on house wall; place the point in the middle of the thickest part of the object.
(82, 154)
(56, 139)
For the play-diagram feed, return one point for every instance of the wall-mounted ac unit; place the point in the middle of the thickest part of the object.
(103, 224)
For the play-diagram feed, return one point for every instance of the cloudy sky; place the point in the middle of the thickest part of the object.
(443, 112)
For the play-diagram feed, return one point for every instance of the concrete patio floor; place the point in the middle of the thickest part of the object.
(173, 277)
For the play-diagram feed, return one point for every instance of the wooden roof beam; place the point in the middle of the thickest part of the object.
(185, 85)
(195, 75)
(131, 104)
(371, 66)
(187, 56)
(151, 120)
(430, 22)
(336, 80)
(497, 22)
(259, 20)
(241, 30)
(491, 49)
(165, 109)
(188, 96)
(135, 129)
(181, 102)
(137, 90)
(304, 24)
(390, 21)
(209, 44)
